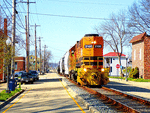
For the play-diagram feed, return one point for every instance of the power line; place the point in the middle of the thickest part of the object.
(5, 13)
(38, 18)
(8, 3)
(68, 16)
(57, 49)
(92, 3)
(7, 7)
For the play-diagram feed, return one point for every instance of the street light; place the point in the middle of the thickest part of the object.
(126, 67)
(8, 43)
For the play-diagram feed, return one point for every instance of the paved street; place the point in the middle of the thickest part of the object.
(141, 89)
(46, 95)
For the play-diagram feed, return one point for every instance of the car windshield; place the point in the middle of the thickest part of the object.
(24, 74)
(20, 74)
(33, 72)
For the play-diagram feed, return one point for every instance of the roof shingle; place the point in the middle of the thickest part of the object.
(138, 37)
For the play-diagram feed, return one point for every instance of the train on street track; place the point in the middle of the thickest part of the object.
(83, 62)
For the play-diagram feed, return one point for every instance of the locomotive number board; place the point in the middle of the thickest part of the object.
(91, 46)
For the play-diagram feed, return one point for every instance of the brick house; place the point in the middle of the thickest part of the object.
(141, 54)
(19, 64)
(32, 63)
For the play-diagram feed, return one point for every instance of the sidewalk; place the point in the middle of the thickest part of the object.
(46, 95)
(141, 89)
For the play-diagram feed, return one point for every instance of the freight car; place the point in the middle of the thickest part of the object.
(83, 63)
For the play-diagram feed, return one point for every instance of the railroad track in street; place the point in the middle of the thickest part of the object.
(119, 100)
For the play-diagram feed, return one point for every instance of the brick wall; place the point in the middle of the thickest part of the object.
(20, 63)
(147, 58)
(138, 56)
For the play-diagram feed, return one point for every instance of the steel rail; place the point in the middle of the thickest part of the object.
(146, 102)
(111, 101)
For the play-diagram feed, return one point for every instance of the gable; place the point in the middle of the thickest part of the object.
(137, 38)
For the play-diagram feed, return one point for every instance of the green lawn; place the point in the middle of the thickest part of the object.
(4, 96)
(132, 79)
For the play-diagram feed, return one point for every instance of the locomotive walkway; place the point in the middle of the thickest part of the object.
(46, 95)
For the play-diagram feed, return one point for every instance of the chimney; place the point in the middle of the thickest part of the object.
(5, 26)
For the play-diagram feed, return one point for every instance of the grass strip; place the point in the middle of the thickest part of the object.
(132, 79)
(4, 96)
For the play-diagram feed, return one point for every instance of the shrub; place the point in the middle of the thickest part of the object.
(134, 73)
(131, 73)
(128, 70)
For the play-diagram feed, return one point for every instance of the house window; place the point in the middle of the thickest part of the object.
(110, 69)
(111, 60)
(15, 65)
(134, 54)
(140, 55)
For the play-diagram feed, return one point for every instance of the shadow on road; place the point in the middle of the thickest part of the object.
(49, 80)
(126, 87)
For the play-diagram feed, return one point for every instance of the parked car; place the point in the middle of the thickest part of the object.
(34, 74)
(23, 77)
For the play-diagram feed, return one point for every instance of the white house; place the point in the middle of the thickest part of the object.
(111, 60)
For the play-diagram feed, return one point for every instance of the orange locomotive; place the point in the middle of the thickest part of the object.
(86, 61)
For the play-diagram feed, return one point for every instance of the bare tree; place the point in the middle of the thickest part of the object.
(48, 57)
(5, 54)
(139, 14)
(116, 34)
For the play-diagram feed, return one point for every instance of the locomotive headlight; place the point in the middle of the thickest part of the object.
(85, 69)
(94, 42)
(102, 69)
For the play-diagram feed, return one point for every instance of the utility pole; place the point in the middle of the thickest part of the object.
(0, 17)
(35, 47)
(40, 52)
(13, 36)
(27, 43)
(27, 40)
(44, 57)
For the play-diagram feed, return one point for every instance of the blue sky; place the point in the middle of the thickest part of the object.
(60, 33)
(63, 22)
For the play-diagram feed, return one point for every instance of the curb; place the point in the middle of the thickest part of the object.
(10, 99)
(87, 105)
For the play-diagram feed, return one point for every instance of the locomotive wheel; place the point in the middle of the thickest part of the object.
(78, 83)
(72, 78)
(69, 76)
